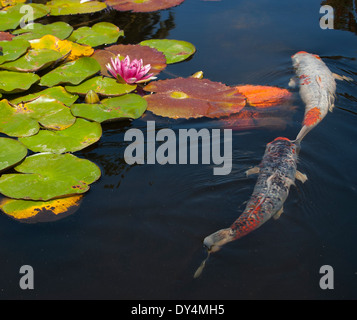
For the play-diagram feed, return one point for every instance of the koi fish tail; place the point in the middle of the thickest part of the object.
(216, 240)
(303, 132)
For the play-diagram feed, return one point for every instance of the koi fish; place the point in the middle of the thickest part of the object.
(277, 172)
(317, 88)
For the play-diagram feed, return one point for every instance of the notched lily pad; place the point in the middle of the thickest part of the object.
(33, 61)
(11, 153)
(73, 72)
(46, 176)
(77, 137)
(56, 93)
(13, 49)
(29, 211)
(60, 30)
(13, 16)
(99, 34)
(69, 7)
(174, 50)
(65, 47)
(14, 82)
(129, 106)
(103, 86)
(193, 98)
(142, 5)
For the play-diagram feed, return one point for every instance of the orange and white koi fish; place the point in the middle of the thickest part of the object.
(277, 172)
(317, 88)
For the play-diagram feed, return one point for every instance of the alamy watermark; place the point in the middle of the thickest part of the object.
(327, 20)
(187, 140)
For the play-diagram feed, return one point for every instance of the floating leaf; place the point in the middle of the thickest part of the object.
(193, 98)
(13, 82)
(264, 96)
(77, 137)
(129, 106)
(73, 72)
(16, 124)
(60, 30)
(11, 153)
(6, 3)
(99, 34)
(13, 17)
(65, 47)
(67, 7)
(56, 93)
(33, 60)
(149, 55)
(46, 176)
(174, 50)
(12, 50)
(103, 86)
(5, 36)
(50, 113)
(142, 5)
(29, 211)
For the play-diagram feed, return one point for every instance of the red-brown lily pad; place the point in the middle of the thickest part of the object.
(193, 98)
(5, 36)
(264, 96)
(142, 5)
(151, 56)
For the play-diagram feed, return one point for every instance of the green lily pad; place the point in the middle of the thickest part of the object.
(46, 176)
(13, 82)
(33, 60)
(104, 86)
(61, 30)
(12, 18)
(129, 106)
(77, 137)
(11, 153)
(67, 7)
(73, 72)
(57, 93)
(99, 34)
(16, 124)
(30, 211)
(174, 50)
(12, 50)
(142, 5)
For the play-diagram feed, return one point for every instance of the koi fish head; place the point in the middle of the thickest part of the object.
(216, 240)
(281, 144)
(298, 56)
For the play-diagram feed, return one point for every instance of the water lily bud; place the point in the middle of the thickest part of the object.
(197, 75)
(91, 97)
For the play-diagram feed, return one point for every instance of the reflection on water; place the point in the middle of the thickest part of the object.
(345, 14)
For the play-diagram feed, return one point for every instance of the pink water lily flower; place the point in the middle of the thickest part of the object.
(130, 72)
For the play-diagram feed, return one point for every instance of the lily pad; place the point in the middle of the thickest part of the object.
(5, 36)
(193, 98)
(65, 47)
(7, 3)
(174, 50)
(16, 124)
(12, 17)
(149, 55)
(264, 96)
(56, 93)
(33, 60)
(142, 5)
(73, 72)
(103, 86)
(29, 211)
(129, 106)
(12, 50)
(46, 176)
(77, 137)
(68, 7)
(11, 153)
(99, 34)
(13, 82)
(60, 30)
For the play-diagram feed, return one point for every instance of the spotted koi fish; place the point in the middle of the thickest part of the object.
(317, 88)
(277, 172)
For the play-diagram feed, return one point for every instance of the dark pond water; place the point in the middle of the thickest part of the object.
(138, 233)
